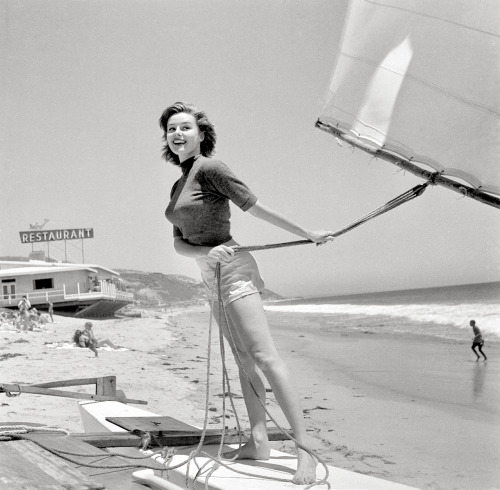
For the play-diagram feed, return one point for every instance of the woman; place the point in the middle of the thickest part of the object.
(199, 211)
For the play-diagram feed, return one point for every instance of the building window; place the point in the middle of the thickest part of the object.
(8, 290)
(43, 283)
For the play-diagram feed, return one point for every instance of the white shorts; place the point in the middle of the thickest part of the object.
(239, 277)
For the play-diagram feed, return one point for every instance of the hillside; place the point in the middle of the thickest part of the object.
(155, 288)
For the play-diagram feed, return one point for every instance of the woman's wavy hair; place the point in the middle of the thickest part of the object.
(207, 146)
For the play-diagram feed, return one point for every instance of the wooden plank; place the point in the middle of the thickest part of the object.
(153, 424)
(110, 478)
(213, 436)
(87, 453)
(68, 382)
(15, 388)
(25, 465)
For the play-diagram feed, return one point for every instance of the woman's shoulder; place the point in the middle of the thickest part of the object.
(212, 167)
(209, 162)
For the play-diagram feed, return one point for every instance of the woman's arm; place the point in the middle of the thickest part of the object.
(265, 213)
(192, 251)
(219, 253)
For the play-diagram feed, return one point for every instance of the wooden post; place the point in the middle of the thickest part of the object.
(106, 386)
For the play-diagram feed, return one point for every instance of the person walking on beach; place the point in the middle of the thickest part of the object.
(477, 341)
(199, 210)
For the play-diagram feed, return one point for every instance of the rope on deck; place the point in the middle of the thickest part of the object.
(8, 432)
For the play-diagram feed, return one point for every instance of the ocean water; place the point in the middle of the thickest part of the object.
(442, 312)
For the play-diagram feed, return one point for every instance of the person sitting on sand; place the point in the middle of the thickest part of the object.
(477, 341)
(82, 340)
(33, 319)
(86, 338)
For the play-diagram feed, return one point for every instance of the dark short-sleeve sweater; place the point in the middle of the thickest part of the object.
(199, 201)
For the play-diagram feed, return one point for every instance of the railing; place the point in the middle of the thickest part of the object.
(105, 290)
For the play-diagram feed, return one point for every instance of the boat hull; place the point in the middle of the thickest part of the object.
(257, 475)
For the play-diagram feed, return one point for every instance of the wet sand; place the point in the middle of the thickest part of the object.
(412, 410)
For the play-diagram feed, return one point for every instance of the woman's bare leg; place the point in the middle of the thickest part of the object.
(258, 445)
(106, 342)
(249, 322)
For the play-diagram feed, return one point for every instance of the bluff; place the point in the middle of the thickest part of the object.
(156, 288)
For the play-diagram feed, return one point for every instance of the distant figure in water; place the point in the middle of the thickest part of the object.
(86, 338)
(477, 341)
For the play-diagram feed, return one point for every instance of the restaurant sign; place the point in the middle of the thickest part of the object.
(55, 235)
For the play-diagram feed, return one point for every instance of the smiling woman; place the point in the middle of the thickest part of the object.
(183, 136)
(171, 121)
(199, 210)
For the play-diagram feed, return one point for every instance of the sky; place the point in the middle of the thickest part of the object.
(85, 82)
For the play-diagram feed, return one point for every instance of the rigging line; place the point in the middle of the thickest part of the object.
(433, 17)
(397, 201)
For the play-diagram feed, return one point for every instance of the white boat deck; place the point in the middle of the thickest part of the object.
(266, 473)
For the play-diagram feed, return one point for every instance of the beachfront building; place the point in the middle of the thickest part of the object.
(80, 290)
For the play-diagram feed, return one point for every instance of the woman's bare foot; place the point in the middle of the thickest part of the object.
(250, 450)
(306, 468)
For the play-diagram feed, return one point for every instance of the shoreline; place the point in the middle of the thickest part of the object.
(373, 403)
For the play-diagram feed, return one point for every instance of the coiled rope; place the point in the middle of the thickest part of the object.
(7, 432)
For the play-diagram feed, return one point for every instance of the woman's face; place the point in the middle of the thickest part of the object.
(183, 136)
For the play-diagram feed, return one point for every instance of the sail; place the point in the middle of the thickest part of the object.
(417, 83)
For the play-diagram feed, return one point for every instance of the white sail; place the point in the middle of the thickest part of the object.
(419, 79)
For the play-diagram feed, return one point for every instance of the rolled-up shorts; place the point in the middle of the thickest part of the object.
(239, 277)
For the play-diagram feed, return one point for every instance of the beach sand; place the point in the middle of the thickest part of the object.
(408, 409)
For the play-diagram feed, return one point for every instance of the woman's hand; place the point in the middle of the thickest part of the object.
(221, 253)
(320, 236)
